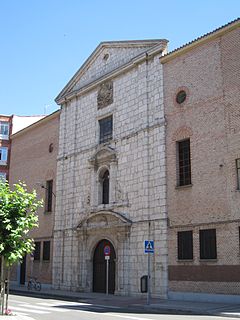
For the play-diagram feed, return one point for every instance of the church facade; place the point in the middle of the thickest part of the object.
(111, 172)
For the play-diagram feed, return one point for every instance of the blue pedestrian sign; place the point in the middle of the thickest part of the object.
(149, 246)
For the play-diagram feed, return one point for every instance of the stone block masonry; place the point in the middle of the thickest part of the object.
(135, 158)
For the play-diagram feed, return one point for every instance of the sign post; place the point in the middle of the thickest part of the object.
(149, 248)
(107, 252)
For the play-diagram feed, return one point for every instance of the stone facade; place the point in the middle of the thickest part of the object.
(209, 72)
(134, 158)
(34, 161)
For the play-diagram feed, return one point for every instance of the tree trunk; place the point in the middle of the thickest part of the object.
(8, 285)
(2, 294)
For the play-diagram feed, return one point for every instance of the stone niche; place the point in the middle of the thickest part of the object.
(104, 158)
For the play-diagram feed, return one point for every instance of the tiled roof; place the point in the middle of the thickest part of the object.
(203, 36)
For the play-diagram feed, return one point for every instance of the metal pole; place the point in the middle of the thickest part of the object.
(148, 282)
(107, 260)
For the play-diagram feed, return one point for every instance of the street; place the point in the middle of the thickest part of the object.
(51, 309)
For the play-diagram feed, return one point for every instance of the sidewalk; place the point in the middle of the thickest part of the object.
(16, 317)
(156, 305)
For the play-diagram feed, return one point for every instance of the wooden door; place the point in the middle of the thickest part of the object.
(99, 268)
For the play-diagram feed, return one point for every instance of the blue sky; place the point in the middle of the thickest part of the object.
(44, 42)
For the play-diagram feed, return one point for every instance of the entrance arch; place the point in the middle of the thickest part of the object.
(99, 268)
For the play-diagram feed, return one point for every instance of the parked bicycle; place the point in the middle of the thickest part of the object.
(34, 284)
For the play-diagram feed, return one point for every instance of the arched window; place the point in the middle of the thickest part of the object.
(105, 187)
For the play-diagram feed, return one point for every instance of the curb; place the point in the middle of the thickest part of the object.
(36, 294)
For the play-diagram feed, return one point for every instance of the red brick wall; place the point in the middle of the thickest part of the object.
(32, 163)
(210, 118)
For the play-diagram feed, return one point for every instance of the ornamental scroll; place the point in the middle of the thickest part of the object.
(105, 95)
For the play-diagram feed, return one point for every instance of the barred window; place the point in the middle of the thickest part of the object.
(185, 245)
(184, 163)
(208, 246)
(46, 250)
(49, 196)
(37, 251)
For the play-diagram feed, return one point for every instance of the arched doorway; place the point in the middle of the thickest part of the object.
(100, 268)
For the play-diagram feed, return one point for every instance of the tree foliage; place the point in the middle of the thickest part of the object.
(17, 217)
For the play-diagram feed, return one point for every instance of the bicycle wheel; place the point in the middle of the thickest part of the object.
(38, 286)
(30, 285)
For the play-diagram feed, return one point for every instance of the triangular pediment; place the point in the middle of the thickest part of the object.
(107, 57)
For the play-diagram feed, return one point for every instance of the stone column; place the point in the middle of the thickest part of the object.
(94, 191)
(112, 182)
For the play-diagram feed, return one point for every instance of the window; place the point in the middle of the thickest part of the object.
(185, 245)
(37, 250)
(106, 56)
(3, 175)
(49, 195)
(184, 162)
(105, 129)
(238, 173)
(4, 130)
(239, 237)
(105, 187)
(181, 96)
(208, 247)
(3, 155)
(46, 250)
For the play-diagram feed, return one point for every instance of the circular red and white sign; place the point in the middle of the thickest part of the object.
(107, 250)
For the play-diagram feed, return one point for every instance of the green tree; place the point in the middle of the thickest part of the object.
(17, 217)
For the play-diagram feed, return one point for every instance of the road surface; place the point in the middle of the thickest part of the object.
(50, 309)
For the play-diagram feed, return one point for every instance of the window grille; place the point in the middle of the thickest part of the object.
(46, 250)
(184, 162)
(208, 247)
(37, 251)
(185, 245)
(49, 196)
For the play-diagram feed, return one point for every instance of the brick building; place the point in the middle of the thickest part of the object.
(5, 145)
(111, 186)
(33, 160)
(201, 98)
(9, 125)
(148, 150)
